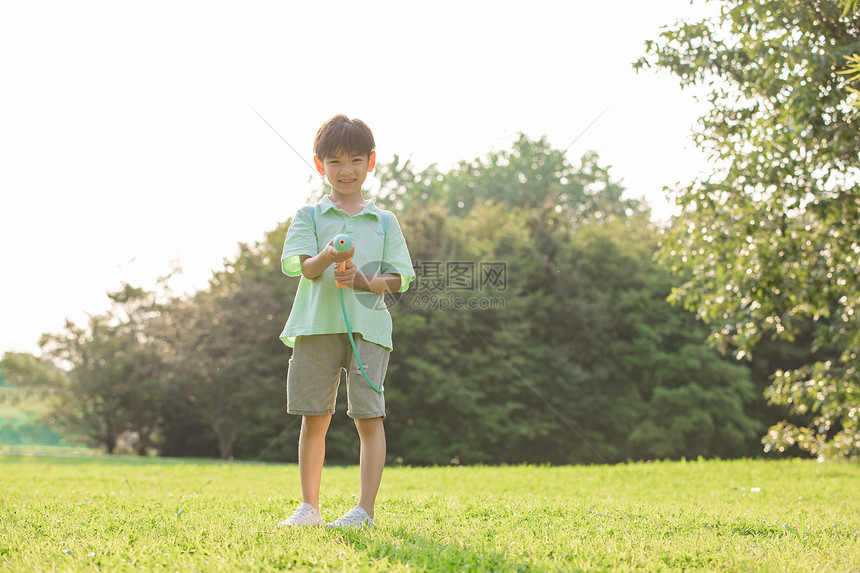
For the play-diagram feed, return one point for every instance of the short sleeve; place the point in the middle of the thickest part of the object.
(395, 257)
(301, 240)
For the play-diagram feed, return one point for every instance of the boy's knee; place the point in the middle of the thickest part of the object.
(315, 423)
(369, 424)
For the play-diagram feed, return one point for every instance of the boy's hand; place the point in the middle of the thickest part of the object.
(346, 277)
(314, 267)
(337, 257)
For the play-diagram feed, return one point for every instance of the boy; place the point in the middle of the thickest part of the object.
(344, 153)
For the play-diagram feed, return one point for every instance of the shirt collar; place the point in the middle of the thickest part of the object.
(369, 209)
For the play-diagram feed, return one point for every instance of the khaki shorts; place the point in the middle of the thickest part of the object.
(314, 375)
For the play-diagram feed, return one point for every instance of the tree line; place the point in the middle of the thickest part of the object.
(537, 331)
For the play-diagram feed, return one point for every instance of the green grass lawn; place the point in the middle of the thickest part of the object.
(98, 513)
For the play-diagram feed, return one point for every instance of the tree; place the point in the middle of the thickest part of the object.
(531, 174)
(111, 376)
(226, 365)
(30, 372)
(769, 240)
(585, 348)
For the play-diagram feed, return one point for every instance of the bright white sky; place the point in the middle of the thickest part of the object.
(128, 138)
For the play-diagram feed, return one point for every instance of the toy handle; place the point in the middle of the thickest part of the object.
(342, 243)
(341, 266)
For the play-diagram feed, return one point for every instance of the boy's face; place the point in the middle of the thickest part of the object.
(346, 172)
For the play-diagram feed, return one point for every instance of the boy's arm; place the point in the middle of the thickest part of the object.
(384, 283)
(313, 267)
(396, 260)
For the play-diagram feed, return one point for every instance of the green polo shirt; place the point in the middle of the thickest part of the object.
(316, 309)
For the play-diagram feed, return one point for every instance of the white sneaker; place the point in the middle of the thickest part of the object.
(355, 517)
(306, 514)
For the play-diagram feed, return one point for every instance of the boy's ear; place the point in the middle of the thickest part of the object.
(371, 162)
(319, 165)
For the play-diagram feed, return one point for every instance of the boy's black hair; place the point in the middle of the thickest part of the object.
(344, 135)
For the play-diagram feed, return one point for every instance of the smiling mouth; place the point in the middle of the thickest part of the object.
(347, 181)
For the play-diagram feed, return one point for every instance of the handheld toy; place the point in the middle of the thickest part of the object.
(342, 243)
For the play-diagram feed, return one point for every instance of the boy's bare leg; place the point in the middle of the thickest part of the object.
(312, 456)
(372, 460)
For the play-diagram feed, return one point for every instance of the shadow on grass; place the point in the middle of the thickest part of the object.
(403, 546)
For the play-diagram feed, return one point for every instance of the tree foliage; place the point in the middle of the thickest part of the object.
(103, 378)
(585, 327)
(226, 365)
(769, 240)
